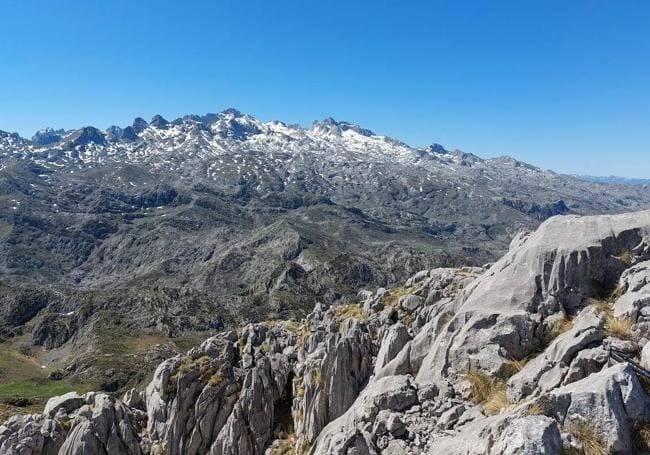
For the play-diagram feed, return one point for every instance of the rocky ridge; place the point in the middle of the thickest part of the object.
(541, 352)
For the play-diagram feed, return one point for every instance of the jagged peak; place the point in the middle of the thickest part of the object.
(84, 136)
(139, 124)
(232, 124)
(231, 112)
(9, 134)
(514, 162)
(116, 133)
(330, 126)
(437, 148)
(159, 121)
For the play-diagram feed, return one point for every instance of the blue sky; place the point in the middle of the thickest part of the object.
(561, 84)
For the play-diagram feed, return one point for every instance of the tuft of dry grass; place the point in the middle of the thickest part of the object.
(298, 415)
(592, 443)
(618, 327)
(512, 367)
(538, 407)
(391, 298)
(605, 304)
(215, 379)
(480, 385)
(497, 401)
(316, 378)
(303, 333)
(557, 328)
(487, 391)
(352, 310)
(626, 258)
(601, 306)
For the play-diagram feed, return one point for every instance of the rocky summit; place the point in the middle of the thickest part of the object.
(545, 351)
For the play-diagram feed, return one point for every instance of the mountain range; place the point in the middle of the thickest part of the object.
(164, 230)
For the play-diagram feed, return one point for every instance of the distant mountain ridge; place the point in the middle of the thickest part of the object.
(612, 179)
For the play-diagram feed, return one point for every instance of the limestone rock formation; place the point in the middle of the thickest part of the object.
(542, 352)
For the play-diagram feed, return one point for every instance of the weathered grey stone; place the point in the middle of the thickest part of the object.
(586, 362)
(215, 401)
(645, 356)
(634, 302)
(410, 302)
(333, 375)
(395, 393)
(531, 435)
(417, 278)
(394, 340)
(565, 261)
(449, 418)
(135, 399)
(608, 401)
(546, 371)
(68, 402)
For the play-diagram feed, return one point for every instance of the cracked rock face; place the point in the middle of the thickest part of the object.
(540, 353)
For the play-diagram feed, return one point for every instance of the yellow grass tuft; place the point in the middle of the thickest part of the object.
(215, 379)
(513, 367)
(605, 304)
(618, 327)
(391, 298)
(538, 407)
(626, 257)
(487, 391)
(352, 310)
(592, 443)
(602, 306)
(557, 328)
(497, 401)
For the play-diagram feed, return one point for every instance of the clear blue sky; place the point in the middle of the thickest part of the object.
(561, 84)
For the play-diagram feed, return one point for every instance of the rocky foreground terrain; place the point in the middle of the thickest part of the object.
(121, 247)
(542, 352)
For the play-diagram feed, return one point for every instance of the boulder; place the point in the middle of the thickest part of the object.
(609, 402)
(332, 376)
(530, 435)
(410, 303)
(548, 370)
(394, 340)
(635, 281)
(394, 393)
(68, 403)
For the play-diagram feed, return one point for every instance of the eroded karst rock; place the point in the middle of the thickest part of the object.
(541, 352)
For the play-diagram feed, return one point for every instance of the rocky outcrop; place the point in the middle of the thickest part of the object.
(542, 352)
(547, 370)
(528, 435)
(223, 396)
(611, 402)
(93, 424)
(336, 366)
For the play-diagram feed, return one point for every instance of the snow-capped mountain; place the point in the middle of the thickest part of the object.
(237, 149)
